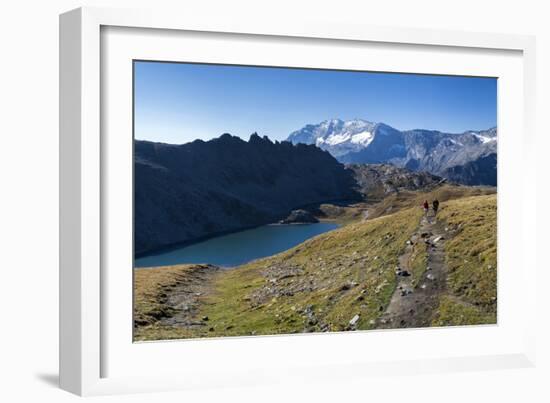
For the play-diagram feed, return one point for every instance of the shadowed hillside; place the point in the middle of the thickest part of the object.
(185, 192)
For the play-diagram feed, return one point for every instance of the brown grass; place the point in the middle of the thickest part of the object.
(150, 291)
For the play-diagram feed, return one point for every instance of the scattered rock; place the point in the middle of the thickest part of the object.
(348, 286)
(354, 320)
(437, 239)
(205, 318)
(423, 286)
(430, 276)
(404, 273)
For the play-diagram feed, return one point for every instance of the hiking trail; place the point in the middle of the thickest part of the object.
(413, 305)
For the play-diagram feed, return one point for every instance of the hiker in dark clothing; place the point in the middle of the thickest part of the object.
(435, 205)
(426, 207)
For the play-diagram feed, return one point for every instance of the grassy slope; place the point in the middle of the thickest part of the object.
(319, 285)
(150, 287)
(407, 199)
(471, 257)
(322, 283)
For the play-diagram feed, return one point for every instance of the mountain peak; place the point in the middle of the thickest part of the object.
(346, 135)
(361, 141)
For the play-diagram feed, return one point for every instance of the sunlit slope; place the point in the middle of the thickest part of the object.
(344, 279)
(471, 258)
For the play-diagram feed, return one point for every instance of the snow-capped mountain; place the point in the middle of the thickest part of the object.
(337, 136)
(468, 157)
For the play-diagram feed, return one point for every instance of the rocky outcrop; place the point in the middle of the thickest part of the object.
(299, 217)
(376, 181)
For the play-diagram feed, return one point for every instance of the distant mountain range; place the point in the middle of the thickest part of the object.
(469, 158)
(184, 193)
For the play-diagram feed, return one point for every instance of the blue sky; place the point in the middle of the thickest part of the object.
(178, 102)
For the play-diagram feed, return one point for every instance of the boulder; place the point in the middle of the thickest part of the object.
(299, 217)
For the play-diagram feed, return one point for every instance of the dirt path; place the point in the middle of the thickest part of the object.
(414, 306)
(186, 295)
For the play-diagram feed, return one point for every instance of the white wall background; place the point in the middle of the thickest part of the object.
(29, 188)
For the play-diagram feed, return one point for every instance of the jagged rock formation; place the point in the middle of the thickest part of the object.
(199, 189)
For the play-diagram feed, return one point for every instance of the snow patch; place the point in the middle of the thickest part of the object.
(484, 139)
(456, 142)
(363, 138)
(334, 139)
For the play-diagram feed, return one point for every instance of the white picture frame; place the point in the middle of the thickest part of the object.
(87, 343)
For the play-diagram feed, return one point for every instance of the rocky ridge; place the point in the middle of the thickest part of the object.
(469, 158)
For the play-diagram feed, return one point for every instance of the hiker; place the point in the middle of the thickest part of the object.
(426, 207)
(435, 205)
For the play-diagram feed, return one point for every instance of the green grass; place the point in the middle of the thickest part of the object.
(335, 276)
(471, 258)
(321, 284)
(452, 312)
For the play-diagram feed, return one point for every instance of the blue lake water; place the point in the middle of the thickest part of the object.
(239, 247)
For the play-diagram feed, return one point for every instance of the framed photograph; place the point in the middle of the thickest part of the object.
(239, 196)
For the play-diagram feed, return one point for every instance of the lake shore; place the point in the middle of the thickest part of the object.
(239, 247)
